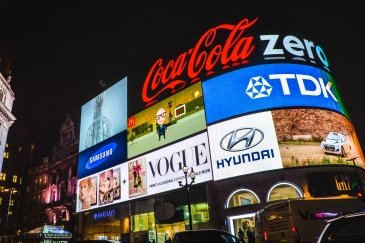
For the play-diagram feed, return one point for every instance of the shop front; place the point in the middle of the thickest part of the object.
(242, 197)
(153, 219)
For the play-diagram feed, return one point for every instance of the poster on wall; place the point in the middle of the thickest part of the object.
(169, 120)
(244, 145)
(103, 130)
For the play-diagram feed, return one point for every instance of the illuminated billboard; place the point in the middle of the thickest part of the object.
(268, 87)
(282, 138)
(316, 137)
(244, 145)
(174, 118)
(150, 174)
(103, 130)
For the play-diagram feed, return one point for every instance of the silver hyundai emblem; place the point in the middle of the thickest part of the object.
(241, 139)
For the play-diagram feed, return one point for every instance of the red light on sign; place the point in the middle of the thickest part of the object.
(131, 122)
(209, 53)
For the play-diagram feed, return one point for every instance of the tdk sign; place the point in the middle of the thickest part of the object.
(267, 87)
(258, 87)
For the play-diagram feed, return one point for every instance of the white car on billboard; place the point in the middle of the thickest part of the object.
(336, 143)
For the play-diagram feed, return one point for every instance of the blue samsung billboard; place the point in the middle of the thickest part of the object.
(103, 130)
(104, 155)
(268, 87)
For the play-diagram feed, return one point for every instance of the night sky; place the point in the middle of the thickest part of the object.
(62, 50)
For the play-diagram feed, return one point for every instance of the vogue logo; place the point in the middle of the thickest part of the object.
(208, 53)
(241, 139)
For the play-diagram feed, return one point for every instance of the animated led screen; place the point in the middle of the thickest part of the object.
(267, 87)
(149, 174)
(104, 116)
(103, 130)
(169, 120)
(282, 138)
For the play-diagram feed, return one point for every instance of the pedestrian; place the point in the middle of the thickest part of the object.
(241, 234)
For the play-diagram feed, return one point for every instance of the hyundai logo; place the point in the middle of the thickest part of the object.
(241, 139)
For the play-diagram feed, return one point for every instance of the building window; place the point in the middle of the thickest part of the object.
(15, 178)
(20, 180)
(2, 176)
(6, 155)
(284, 190)
(242, 197)
(1, 200)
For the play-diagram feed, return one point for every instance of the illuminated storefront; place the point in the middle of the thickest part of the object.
(254, 116)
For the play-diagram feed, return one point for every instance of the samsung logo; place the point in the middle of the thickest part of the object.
(241, 139)
(101, 155)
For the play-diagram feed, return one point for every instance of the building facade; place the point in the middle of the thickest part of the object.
(52, 189)
(6, 104)
(243, 119)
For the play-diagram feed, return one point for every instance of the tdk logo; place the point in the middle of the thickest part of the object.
(308, 85)
(258, 87)
(241, 139)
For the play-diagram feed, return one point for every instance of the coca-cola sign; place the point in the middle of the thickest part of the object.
(209, 53)
(222, 48)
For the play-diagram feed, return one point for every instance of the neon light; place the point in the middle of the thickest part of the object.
(204, 56)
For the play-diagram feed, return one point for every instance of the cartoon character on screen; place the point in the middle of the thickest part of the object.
(137, 170)
(160, 123)
(101, 126)
(106, 187)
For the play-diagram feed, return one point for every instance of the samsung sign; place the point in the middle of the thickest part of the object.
(267, 87)
(104, 155)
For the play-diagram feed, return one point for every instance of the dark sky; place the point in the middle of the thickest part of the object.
(62, 49)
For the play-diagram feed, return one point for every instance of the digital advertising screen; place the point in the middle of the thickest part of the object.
(268, 87)
(316, 137)
(167, 121)
(104, 116)
(103, 130)
(282, 138)
(244, 145)
(150, 174)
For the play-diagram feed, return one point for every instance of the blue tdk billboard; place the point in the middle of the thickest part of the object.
(103, 130)
(268, 87)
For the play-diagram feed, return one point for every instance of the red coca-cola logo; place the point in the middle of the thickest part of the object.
(206, 55)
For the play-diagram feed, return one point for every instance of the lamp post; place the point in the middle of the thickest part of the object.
(11, 191)
(187, 186)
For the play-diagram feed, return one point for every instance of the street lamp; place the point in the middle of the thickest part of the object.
(187, 186)
(11, 191)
